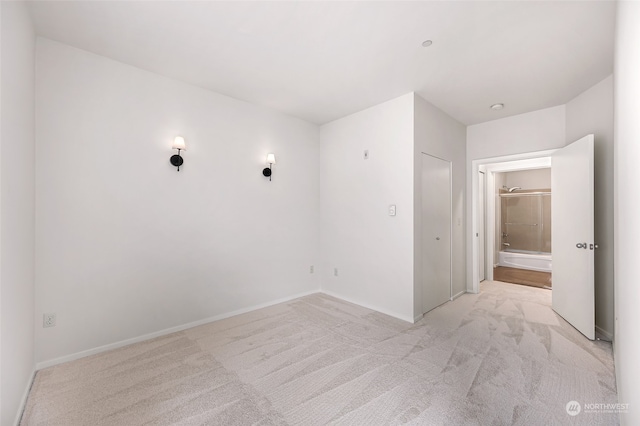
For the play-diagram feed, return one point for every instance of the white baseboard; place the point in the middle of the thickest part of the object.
(99, 349)
(607, 335)
(368, 306)
(23, 400)
(454, 297)
(458, 295)
(110, 346)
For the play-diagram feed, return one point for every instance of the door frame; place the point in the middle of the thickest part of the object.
(482, 223)
(507, 163)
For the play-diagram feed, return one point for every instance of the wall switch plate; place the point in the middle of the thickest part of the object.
(311, 269)
(392, 210)
(48, 320)
(366, 154)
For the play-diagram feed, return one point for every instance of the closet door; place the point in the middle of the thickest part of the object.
(436, 232)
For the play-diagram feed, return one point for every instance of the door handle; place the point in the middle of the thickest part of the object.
(581, 245)
(593, 246)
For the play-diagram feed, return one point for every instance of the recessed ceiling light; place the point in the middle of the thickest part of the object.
(497, 107)
(427, 43)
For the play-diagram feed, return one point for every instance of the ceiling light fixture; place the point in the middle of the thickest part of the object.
(497, 107)
(427, 43)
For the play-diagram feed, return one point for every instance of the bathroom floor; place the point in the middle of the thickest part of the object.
(522, 276)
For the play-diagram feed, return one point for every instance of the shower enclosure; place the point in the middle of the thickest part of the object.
(526, 230)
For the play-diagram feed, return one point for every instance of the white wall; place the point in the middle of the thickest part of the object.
(528, 179)
(531, 132)
(627, 209)
(17, 209)
(534, 131)
(128, 246)
(592, 112)
(439, 135)
(372, 250)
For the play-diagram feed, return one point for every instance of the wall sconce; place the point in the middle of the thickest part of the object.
(176, 159)
(271, 159)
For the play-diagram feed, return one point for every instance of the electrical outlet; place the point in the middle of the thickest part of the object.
(311, 269)
(335, 272)
(48, 320)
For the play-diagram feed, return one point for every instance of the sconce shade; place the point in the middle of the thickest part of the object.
(271, 159)
(178, 143)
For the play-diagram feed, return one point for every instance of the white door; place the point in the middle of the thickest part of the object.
(572, 245)
(436, 232)
(481, 225)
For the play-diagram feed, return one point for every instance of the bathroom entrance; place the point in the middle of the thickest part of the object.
(572, 214)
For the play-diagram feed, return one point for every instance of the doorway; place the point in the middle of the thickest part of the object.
(572, 178)
(436, 232)
(490, 167)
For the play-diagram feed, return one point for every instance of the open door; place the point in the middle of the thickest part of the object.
(572, 234)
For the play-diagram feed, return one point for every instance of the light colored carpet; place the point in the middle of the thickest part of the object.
(498, 358)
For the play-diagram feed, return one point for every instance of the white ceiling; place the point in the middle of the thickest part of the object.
(323, 60)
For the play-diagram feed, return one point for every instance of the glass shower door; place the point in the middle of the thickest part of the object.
(526, 222)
